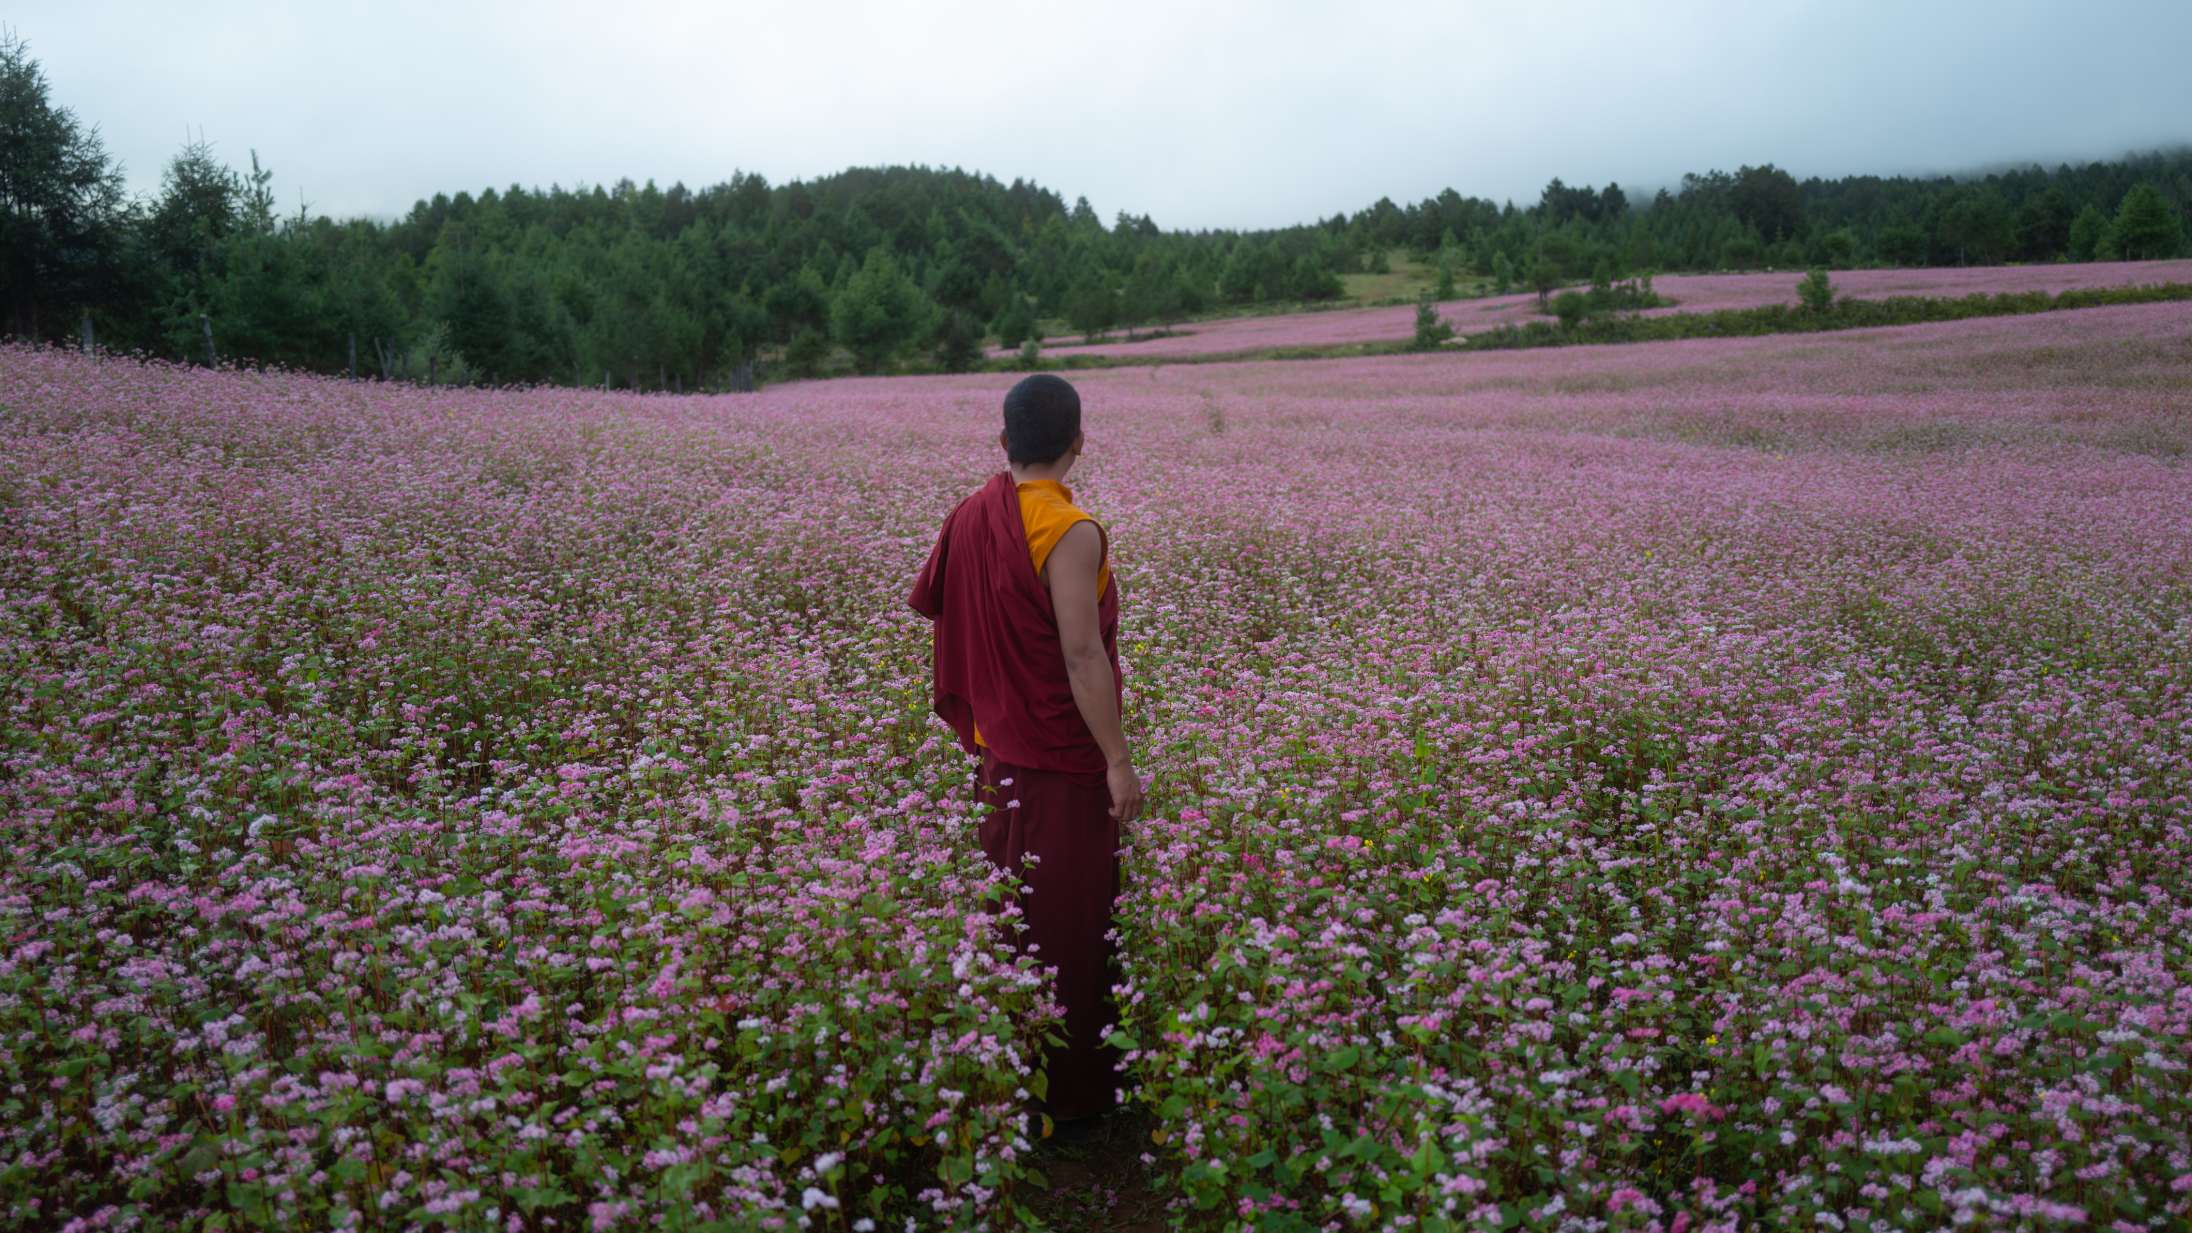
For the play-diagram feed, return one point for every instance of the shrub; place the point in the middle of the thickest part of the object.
(1571, 307)
(1432, 330)
(809, 348)
(1816, 292)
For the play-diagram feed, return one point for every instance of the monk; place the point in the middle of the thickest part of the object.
(1025, 630)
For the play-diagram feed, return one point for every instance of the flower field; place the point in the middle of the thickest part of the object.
(1692, 293)
(1698, 785)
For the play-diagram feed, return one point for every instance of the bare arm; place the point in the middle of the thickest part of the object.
(1070, 572)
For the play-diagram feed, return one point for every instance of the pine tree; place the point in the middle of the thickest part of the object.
(2087, 231)
(1432, 330)
(61, 202)
(958, 343)
(879, 311)
(2147, 228)
(1015, 323)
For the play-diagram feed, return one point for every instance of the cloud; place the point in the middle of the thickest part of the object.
(1200, 115)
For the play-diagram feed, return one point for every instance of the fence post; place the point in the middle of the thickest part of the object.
(433, 369)
(89, 346)
(353, 355)
(205, 324)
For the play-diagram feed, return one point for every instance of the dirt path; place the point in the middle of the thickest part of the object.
(1099, 1185)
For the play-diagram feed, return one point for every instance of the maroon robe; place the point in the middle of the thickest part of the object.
(999, 663)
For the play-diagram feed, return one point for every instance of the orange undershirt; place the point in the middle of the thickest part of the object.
(1048, 512)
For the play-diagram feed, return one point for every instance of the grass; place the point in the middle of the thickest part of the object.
(1410, 277)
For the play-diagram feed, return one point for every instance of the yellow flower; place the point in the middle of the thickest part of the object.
(1712, 1038)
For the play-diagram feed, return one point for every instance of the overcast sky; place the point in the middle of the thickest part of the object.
(1200, 115)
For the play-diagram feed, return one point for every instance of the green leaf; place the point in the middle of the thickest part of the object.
(1120, 1040)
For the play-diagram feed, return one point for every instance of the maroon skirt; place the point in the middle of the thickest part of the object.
(1065, 821)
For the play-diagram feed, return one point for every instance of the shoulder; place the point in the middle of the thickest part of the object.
(1080, 544)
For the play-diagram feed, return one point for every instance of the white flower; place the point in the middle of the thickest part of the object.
(814, 1198)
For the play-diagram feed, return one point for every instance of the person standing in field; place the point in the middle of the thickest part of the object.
(1024, 627)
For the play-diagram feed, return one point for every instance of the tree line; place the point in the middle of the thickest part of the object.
(886, 268)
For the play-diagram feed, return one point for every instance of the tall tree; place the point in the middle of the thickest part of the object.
(1767, 199)
(61, 202)
(879, 311)
(2147, 227)
(1976, 227)
(2043, 225)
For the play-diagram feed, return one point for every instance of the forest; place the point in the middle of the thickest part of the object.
(881, 269)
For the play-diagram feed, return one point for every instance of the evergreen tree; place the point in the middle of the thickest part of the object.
(1902, 244)
(2146, 226)
(958, 342)
(1015, 323)
(2086, 233)
(1313, 280)
(1976, 227)
(1555, 262)
(1767, 200)
(62, 209)
(1431, 329)
(1093, 307)
(2043, 225)
(1816, 292)
(808, 350)
(879, 311)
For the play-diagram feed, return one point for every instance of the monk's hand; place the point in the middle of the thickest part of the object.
(1126, 791)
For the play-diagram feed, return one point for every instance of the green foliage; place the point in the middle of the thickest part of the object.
(665, 286)
(1432, 330)
(2087, 231)
(2043, 225)
(2147, 227)
(1837, 249)
(62, 211)
(1571, 307)
(958, 343)
(435, 358)
(879, 311)
(807, 352)
(1902, 244)
(1816, 291)
(1766, 199)
(1031, 353)
(1093, 307)
(1976, 227)
(1015, 322)
(1742, 252)
(1312, 279)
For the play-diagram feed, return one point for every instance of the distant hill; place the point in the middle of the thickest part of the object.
(883, 268)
